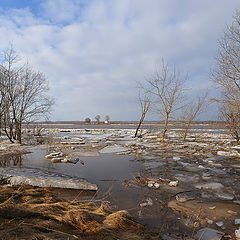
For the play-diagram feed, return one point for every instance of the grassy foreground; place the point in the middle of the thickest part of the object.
(36, 213)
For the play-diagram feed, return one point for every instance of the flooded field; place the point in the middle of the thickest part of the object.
(174, 188)
(152, 126)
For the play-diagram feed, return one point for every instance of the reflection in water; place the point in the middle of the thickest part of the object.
(11, 160)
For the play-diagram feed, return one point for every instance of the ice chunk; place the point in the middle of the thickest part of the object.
(113, 149)
(40, 178)
(148, 202)
(236, 147)
(228, 154)
(150, 183)
(206, 176)
(173, 183)
(209, 234)
(219, 224)
(150, 165)
(212, 208)
(54, 155)
(210, 186)
(237, 221)
(184, 197)
(187, 178)
(224, 196)
(232, 212)
(237, 233)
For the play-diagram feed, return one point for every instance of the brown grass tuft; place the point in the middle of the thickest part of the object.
(119, 220)
(84, 221)
(35, 213)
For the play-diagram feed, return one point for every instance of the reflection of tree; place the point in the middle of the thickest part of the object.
(8, 160)
(51, 166)
(17, 160)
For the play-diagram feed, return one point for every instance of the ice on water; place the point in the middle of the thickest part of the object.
(40, 178)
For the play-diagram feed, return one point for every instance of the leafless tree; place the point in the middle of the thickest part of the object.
(145, 105)
(166, 90)
(97, 118)
(87, 120)
(23, 92)
(227, 75)
(191, 112)
(8, 83)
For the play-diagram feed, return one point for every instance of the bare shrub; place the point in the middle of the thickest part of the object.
(191, 112)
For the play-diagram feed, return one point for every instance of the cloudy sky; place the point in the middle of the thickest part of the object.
(94, 51)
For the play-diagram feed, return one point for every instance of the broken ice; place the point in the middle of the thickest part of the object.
(41, 178)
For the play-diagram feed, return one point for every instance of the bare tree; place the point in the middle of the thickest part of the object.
(166, 88)
(23, 91)
(97, 118)
(145, 105)
(191, 112)
(8, 83)
(227, 75)
(87, 120)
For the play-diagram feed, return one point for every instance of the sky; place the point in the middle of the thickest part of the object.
(94, 52)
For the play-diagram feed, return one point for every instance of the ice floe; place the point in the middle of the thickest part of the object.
(39, 178)
(209, 186)
(113, 149)
(209, 234)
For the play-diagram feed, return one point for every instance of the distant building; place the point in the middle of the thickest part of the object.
(107, 119)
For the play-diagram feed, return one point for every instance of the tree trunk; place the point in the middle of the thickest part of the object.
(19, 132)
(139, 125)
(186, 131)
(8, 135)
(165, 127)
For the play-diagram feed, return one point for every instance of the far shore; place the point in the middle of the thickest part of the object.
(124, 123)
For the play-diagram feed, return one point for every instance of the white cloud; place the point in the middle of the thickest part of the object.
(62, 11)
(93, 52)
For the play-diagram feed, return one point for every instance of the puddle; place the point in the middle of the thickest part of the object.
(100, 169)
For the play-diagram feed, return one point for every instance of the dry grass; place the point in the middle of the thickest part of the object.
(35, 213)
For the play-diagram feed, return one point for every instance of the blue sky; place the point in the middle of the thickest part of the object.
(94, 51)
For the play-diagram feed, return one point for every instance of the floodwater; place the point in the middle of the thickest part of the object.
(118, 176)
(198, 127)
(109, 172)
